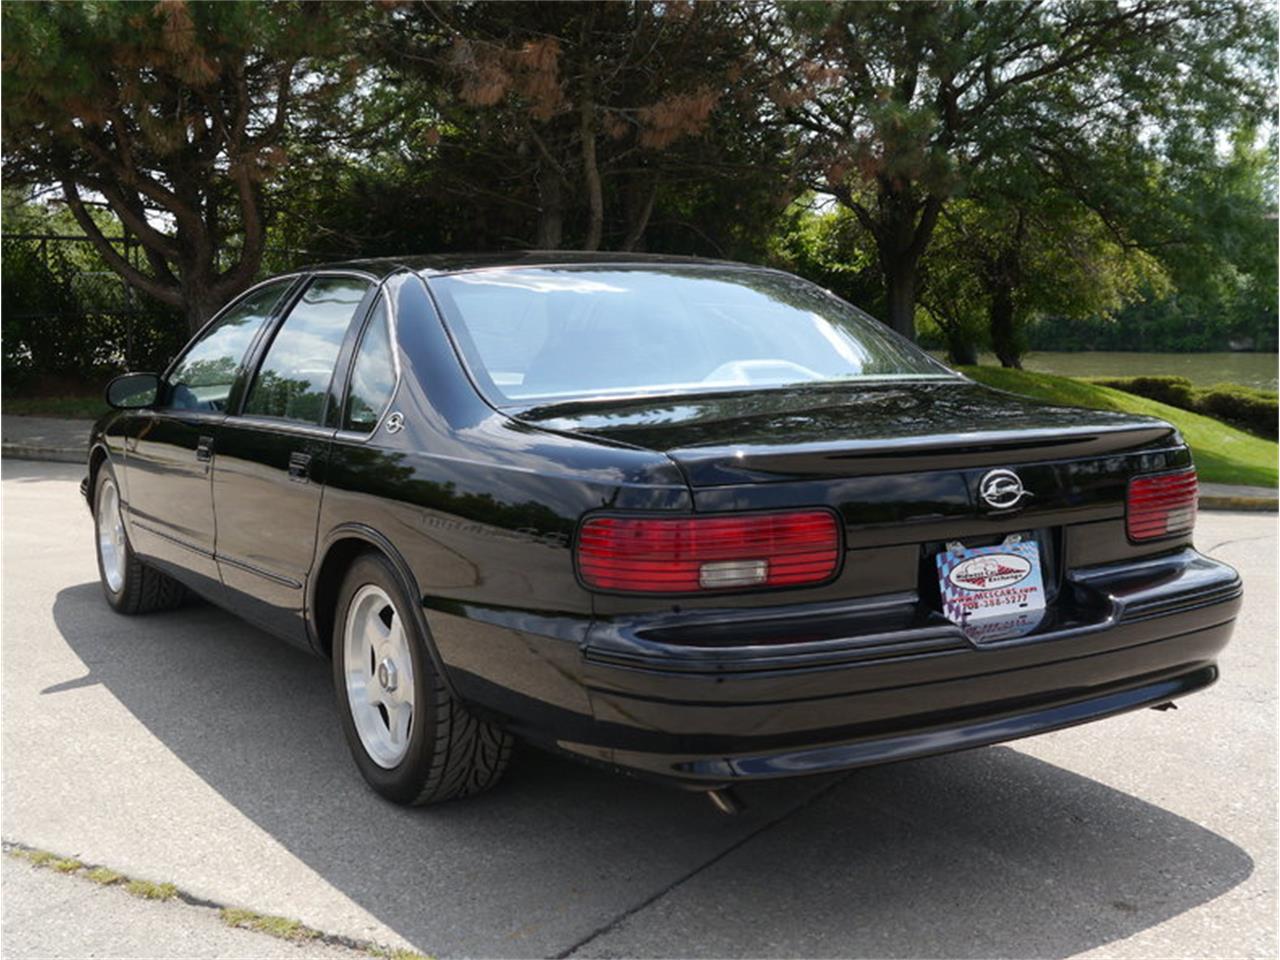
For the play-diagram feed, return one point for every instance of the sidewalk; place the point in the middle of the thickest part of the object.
(49, 438)
(50, 915)
(45, 438)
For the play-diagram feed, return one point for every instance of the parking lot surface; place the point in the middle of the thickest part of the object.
(190, 748)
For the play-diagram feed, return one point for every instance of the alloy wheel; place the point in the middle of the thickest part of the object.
(111, 541)
(378, 667)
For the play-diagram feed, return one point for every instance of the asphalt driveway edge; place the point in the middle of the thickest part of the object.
(232, 917)
(1259, 504)
(22, 451)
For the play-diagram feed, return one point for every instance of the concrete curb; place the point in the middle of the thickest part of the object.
(24, 451)
(1257, 504)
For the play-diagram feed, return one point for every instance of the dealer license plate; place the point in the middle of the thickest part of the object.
(993, 592)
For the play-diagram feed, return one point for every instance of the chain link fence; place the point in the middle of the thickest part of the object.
(67, 317)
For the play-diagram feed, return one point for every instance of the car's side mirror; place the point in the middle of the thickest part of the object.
(133, 391)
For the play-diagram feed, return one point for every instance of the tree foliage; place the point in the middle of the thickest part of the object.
(993, 170)
(1018, 247)
(591, 117)
(901, 106)
(178, 116)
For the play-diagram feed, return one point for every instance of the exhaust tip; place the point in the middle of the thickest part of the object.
(726, 801)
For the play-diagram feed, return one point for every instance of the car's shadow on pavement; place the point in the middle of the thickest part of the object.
(988, 853)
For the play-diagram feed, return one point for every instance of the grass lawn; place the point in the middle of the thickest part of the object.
(87, 407)
(1223, 453)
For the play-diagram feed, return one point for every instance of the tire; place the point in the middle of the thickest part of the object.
(380, 662)
(129, 584)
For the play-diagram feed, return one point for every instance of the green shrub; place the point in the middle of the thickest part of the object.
(1252, 410)
(69, 324)
(1175, 391)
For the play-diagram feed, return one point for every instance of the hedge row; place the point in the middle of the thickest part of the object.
(1245, 407)
(65, 322)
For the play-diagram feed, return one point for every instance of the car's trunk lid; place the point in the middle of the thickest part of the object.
(905, 466)
(852, 431)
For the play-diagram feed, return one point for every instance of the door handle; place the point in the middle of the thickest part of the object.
(300, 467)
(204, 449)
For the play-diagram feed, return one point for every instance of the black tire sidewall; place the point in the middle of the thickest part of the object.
(402, 782)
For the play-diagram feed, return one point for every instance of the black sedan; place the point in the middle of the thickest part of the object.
(695, 520)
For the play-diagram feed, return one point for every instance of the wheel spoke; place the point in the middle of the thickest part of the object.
(398, 645)
(399, 715)
(376, 635)
(395, 640)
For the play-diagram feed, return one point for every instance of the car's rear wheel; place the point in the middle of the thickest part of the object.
(411, 738)
(129, 584)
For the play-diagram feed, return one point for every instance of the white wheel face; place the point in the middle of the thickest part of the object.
(378, 669)
(111, 542)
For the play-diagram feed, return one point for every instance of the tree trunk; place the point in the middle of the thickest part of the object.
(900, 297)
(1004, 334)
(961, 351)
(198, 305)
(551, 212)
(587, 131)
(591, 175)
(902, 236)
(640, 209)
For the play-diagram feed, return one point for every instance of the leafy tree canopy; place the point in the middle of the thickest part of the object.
(901, 105)
(178, 116)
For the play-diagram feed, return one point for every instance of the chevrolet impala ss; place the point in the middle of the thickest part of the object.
(693, 520)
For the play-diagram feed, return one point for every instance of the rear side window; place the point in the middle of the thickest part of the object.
(293, 381)
(373, 377)
(202, 379)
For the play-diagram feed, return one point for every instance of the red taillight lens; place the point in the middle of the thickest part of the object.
(686, 555)
(1162, 505)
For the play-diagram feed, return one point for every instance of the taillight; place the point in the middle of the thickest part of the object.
(1162, 505)
(691, 554)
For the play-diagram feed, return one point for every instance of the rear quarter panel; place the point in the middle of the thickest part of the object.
(483, 510)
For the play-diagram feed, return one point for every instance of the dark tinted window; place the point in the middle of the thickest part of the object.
(203, 377)
(551, 333)
(294, 377)
(374, 375)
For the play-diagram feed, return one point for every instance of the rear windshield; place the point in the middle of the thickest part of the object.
(533, 336)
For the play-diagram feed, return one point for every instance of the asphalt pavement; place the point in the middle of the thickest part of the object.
(188, 747)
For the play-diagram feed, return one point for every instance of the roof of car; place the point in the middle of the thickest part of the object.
(436, 264)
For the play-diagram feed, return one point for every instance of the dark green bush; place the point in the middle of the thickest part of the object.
(1251, 410)
(1175, 391)
(64, 323)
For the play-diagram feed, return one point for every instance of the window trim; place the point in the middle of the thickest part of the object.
(393, 341)
(262, 346)
(232, 397)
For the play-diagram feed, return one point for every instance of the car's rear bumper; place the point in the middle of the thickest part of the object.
(870, 683)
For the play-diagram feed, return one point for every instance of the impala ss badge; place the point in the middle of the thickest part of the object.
(1001, 489)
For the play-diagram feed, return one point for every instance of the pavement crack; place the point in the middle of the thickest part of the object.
(1235, 540)
(746, 838)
